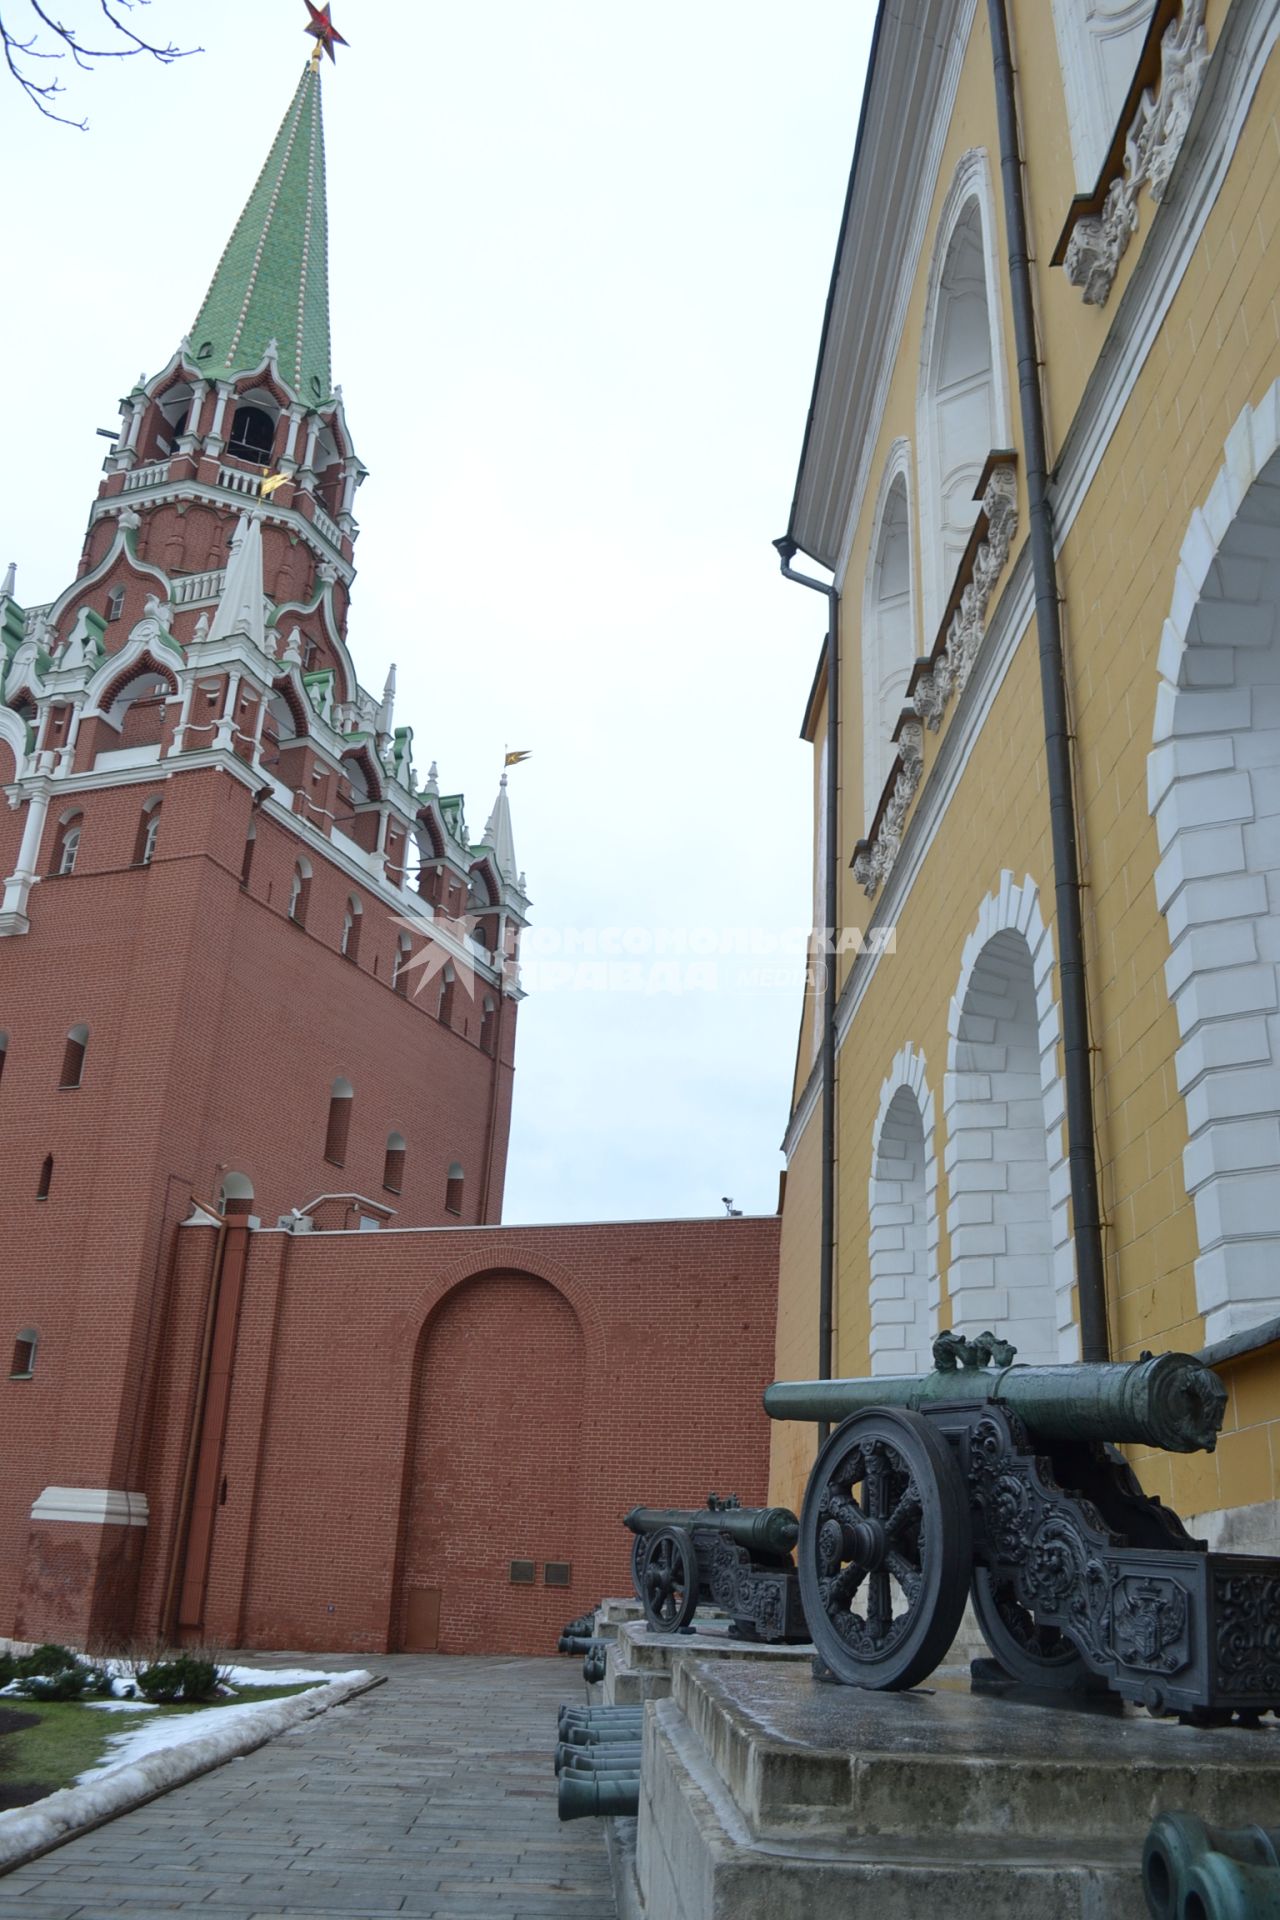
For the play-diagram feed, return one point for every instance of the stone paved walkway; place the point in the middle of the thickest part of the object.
(432, 1795)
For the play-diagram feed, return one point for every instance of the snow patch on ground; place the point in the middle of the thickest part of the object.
(192, 1744)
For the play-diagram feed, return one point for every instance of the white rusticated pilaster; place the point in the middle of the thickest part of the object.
(1213, 788)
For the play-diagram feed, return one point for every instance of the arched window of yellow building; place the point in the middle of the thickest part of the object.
(889, 645)
(962, 412)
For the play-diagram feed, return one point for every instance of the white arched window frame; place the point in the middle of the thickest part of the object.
(235, 1187)
(1099, 43)
(969, 209)
(902, 1201)
(890, 642)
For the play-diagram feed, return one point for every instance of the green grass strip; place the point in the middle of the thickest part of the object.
(72, 1737)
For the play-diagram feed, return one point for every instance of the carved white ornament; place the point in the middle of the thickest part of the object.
(950, 672)
(1098, 244)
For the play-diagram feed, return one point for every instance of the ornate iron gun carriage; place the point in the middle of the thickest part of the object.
(1004, 1481)
(724, 1554)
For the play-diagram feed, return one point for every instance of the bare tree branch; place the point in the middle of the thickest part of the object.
(50, 39)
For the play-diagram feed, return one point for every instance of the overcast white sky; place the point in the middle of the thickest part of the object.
(578, 260)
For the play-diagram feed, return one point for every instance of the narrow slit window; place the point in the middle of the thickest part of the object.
(339, 1125)
(393, 1165)
(453, 1189)
(46, 1178)
(23, 1364)
(73, 1057)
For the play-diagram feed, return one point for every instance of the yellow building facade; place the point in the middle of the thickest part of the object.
(1148, 169)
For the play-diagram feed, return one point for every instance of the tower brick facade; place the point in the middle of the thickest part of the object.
(277, 1375)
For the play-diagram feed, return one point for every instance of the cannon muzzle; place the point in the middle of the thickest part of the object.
(1189, 1867)
(605, 1796)
(600, 1734)
(575, 1643)
(1171, 1401)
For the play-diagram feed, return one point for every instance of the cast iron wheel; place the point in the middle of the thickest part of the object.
(670, 1579)
(1037, 1656)
(885, 1529)
(639, 1547)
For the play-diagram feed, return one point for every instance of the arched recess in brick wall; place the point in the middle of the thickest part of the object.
(1214, 788)
(902, 1201)
(494, 1469)
(1008, 1181)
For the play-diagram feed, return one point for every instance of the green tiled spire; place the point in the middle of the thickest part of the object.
(273, 280)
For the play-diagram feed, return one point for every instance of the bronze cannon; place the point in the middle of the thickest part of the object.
(725, 1555)
(1003, 1483)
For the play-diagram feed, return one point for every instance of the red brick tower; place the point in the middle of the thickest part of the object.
(247, 962)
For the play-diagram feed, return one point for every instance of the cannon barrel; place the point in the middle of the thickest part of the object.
(761, 1530)
(599, 1759)
(585, 1796)
(1172, 1401)
(600, 1735)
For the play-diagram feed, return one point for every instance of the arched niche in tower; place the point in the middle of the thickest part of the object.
(165, 419)
(251, 431)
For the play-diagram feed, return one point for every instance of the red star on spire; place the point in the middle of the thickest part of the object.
(322, 29)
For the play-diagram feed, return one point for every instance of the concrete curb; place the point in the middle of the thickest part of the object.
(26, 1832)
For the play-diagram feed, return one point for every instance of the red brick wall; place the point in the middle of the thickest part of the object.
(216, 1031)
(420, 1408)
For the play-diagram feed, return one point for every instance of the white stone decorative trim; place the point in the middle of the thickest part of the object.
(903, 1321)
(970, 185)
(1214, 791)
(92, 1506)
(950, 672)
(971, 1109)
(876, 856)
(1099, 243)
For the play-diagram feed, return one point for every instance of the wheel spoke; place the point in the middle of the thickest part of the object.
(845, 1585)
(879, 1605)
(907, 1508)
(907, 1576)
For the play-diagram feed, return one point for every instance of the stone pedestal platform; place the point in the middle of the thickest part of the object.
(641, 1664)
(768, 1796)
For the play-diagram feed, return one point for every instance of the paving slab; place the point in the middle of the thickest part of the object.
(432, 1796)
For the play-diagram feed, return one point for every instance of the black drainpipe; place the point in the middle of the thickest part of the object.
(1090, 1273)
(826, 1265)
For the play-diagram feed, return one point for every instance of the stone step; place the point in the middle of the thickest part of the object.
(931, 1764)
(641, 1664)
(768, 1796)
(696, 1859)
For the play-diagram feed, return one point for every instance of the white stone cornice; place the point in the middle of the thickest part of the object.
(920, 50)
(168, 491)
(91, 1506)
